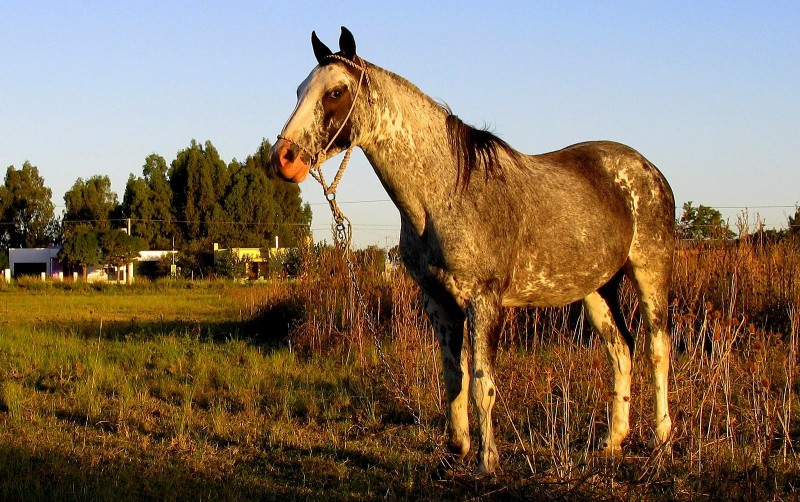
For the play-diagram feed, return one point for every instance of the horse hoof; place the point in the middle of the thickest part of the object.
(662, 434)
(485, 470)
(488, 464)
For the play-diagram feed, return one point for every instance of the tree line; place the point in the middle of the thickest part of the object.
(186, 205)
(706, 223)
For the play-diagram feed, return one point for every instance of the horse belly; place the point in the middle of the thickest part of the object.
(539, 284)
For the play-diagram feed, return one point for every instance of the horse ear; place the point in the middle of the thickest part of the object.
(347, 44)
(321, 51)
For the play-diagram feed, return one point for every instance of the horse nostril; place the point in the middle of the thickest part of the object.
(288, 156)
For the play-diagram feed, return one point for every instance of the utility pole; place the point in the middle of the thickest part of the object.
(129, 265)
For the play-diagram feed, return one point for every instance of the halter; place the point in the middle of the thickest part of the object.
(343, 232)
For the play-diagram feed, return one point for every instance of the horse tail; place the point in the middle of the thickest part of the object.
(610, 293)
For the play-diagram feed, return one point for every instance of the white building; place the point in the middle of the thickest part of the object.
(35, 261)
(38, 261)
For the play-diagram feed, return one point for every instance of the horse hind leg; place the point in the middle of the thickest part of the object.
(606, 318)
(652, 286)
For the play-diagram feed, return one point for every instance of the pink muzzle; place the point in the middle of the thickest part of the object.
(287, 161)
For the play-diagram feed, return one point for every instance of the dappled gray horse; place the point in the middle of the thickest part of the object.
(484, 227)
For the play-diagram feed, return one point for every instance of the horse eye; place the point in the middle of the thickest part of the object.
(335, 94)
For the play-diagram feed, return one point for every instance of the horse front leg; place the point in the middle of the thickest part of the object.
(448, 323)
(483, 315)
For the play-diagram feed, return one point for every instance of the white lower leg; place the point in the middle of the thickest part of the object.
(619, 354)
(458, 418)
(659, 358)
(483, 393)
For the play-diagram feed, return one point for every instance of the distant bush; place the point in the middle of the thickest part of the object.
(31, 283)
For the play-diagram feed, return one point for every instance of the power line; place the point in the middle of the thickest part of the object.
(187, 222)
(744, 207)
(366, 201)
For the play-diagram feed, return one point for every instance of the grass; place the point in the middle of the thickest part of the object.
(174, 420)
(282, 391)
(167, 406)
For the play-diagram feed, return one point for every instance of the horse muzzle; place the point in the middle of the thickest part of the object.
(286, 159)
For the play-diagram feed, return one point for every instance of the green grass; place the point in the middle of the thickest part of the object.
(155, 417)
(167, 395)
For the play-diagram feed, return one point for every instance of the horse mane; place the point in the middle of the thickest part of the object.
(475, 148)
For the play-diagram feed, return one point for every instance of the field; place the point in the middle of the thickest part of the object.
(315, 389)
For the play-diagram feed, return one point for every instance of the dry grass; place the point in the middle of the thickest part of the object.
(734, 390)
(284, 390)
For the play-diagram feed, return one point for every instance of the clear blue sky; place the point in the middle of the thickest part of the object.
(708, 91)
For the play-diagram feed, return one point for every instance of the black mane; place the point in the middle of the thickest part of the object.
(475, 148)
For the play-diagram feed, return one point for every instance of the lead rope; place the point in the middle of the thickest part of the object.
(342, 236)
(444, 459)
(343, 229)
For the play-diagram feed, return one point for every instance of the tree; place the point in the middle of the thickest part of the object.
(794, 223)
(136, 205)
(119, 248)
(200, 200)
(251, 208)
(231, 266)
(80, 248)
(198, 179)
(291, 220)
(155, 172)
(148, 202)
(90, 203)
(26, 210)
(702, 222)
(372, 259)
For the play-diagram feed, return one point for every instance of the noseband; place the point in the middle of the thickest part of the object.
(343, 233)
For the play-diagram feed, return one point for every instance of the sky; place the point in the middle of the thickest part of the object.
(708, 91)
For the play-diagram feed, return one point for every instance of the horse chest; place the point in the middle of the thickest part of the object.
(434, 272)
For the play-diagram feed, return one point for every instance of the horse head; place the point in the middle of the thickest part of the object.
(321, 125)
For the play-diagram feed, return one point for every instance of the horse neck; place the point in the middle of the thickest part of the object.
(407, 145)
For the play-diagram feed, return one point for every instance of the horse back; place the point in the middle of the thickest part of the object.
(589, 205)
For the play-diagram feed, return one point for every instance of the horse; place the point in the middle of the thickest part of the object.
(484, 227)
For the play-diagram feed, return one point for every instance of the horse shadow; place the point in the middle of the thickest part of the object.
(270, 327)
